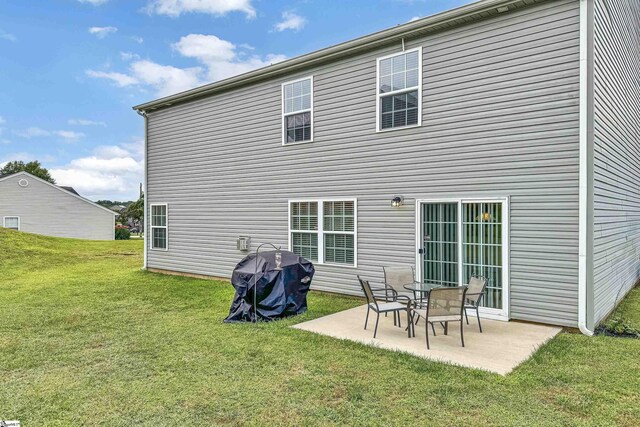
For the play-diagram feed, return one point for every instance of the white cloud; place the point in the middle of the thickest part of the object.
(415, 18)
(137, 39)
(68, 134)
(32, 132)
(290, 21)
(175, 8)
(2, 120)
(220, 56)
(36, 132)
(111, 172)
(128, 56)
(5, 141)
(7, 36)
(102, 32)
(205, 48)
(119, 79)
(94, 2)
(221, 59)
(84, 122)
(166, 79)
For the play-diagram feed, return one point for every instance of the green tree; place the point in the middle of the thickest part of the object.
(34, 168)
(135, 212)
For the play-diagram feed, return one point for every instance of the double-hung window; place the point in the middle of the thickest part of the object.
(297, 111)
(159, 229)
(324, 231)
(399, 86)
(12, 222)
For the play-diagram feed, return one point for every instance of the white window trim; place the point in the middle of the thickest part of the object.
(151, 226)
(4, 220)
(380, 95)
(321, 231)
(488, 313)
(284, 114)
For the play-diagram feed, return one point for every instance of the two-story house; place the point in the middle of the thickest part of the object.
(500, 138)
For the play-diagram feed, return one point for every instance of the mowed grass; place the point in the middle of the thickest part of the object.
(87, 338)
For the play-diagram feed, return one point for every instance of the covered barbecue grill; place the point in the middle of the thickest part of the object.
(282, 280)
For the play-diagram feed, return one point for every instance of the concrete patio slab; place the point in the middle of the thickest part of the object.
(500, 348)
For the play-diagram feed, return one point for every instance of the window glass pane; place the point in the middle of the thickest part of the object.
(398, 81)
(11, 222)
(399, 110)
(412, 78)
(297, 96)
(387, 104)
(159, 238)
(399, 63)
(387, 121)
(399, 72)
(298, 127)
(385, 84)
(304, 216)
(385, 67)
(306, 86)
(412, 60)
(339, 216)
(305, 245)
(339, 248)
(158, 215)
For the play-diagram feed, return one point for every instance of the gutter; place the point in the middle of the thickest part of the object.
(585, 227)
(144, 190)
(431, 23)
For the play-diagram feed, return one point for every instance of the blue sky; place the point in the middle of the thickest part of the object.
(70, 70)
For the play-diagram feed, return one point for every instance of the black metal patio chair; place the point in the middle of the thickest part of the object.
(395, 306)
(474, 296)
(443, 306)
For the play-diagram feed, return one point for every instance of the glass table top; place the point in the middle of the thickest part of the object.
(421, 287)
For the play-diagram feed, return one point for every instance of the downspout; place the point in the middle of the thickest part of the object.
(144, 189)
(585, 227)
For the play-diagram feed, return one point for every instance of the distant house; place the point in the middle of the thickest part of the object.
(501, 138)
(31, 204)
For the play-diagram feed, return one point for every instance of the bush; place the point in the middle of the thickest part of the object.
(122, 233)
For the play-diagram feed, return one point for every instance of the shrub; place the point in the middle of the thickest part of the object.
(122, 233)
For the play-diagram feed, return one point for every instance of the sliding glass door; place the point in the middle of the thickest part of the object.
(482, 248)
(461, 238)
(440, 243)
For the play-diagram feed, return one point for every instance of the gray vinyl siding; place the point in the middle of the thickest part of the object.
(50, 211)
(500, 119)
(616, 152)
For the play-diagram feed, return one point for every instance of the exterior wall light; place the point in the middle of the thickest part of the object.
(397, 201)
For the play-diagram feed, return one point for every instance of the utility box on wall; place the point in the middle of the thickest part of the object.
(244, 243)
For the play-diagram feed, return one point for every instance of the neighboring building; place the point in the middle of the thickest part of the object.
(508, 129)
(31, 204)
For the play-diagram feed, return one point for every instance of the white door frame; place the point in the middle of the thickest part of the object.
(485, 312)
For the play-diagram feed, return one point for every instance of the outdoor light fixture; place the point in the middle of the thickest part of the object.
(397, 201)
(503, 9)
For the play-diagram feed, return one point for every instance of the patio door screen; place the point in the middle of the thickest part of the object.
(462, 238)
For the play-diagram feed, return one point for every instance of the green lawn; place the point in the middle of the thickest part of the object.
(88, 338)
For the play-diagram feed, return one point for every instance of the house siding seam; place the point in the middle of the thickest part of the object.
(616, 152)
(500, 118)
(52, 212)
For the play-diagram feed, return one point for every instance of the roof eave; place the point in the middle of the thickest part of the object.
(332, 52)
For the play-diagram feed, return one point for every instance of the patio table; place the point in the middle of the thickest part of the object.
(421, 289)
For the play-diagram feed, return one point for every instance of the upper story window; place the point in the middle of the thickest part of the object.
(297, 111)
(159, 228)
(399, 90)
(12, 222)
